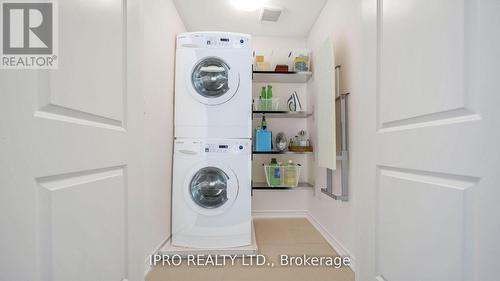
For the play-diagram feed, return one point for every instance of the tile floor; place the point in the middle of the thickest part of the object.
(274, 238)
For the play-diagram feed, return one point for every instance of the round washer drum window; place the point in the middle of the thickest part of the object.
(208, 187)
(210, 77)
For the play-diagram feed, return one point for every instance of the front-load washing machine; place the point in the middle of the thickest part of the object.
(211, 193)
(213, 85)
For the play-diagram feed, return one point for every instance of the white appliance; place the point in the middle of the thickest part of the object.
(211, 193)
(213, 85)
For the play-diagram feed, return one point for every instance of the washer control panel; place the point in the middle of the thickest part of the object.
(220, 147)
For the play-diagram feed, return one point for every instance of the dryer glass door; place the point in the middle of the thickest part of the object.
(208, 187)
(210, 77)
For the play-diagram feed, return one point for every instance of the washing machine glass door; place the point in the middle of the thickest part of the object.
(214, 81)
(211, 188)
(208, 187)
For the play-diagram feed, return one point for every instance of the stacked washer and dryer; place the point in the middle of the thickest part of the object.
(211, 190)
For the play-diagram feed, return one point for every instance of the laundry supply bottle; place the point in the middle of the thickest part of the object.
(282, 173)
(290, 174)
(263, 123)
(263, 99)
(302, 138)
(269, 94)
(269, 97)
(255, 133)
(273, 173)
(263, 137)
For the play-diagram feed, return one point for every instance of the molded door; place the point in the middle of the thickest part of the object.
(429, 180)
(70, 146)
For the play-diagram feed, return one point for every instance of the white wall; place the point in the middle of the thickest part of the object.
(162, 23)
(278, 43)
(340, 19)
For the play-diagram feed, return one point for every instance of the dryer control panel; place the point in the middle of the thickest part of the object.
(222, 40)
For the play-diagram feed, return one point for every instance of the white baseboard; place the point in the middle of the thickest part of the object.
(336, 245)
(147, 265)
(263, 214)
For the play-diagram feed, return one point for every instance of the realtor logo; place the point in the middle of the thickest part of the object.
(29, 35)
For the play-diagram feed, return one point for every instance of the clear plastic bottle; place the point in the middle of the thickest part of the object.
(290, 174)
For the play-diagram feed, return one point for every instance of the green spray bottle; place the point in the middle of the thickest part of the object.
(269, 94)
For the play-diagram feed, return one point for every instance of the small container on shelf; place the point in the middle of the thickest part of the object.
(281, 142)
(300, 143)
(300, 149)
(282, 175)
(301, 60)
(262, 60)
(281, 68)
(263, 140)
(267, 104)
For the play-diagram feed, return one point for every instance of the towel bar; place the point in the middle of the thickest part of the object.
(343, 157)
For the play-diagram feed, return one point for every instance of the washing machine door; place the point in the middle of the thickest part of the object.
(214, 81)
(210, 188)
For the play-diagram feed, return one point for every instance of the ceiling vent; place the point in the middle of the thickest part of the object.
(270, 14)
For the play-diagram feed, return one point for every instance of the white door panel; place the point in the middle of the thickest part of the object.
(83, 224)
(420, 225)
(91, 70)
(431, 214)
(70, 140)
(421, 58)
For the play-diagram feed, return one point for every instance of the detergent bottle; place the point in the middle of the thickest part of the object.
(274, 173)
(290, 174)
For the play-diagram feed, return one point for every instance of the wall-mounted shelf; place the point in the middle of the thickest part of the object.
(282, 114)
(281, 152)
(264, 186)
(281, 77)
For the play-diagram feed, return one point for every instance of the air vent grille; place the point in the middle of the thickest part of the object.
(270, 14)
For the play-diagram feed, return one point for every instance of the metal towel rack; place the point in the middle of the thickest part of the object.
(343, 157)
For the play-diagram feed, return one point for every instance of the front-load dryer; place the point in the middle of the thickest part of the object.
(213, 85)
(211, 193)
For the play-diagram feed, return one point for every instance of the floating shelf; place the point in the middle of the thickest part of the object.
(282, 114)
(281, 152)
(281, 77)
(264, 186)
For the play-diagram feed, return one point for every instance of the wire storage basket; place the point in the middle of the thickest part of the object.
(267, 104)
(282, 176)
